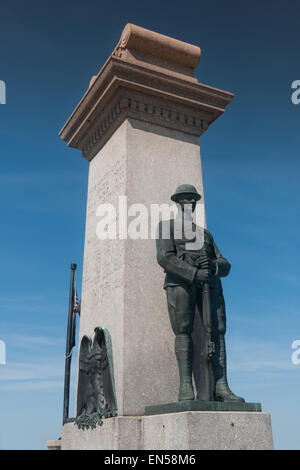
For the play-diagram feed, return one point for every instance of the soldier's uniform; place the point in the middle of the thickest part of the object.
(181, 261)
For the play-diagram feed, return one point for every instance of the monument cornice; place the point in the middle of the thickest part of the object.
(177, 99)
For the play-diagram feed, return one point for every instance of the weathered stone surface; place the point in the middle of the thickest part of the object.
(151, 45)
(121, 433)
(208, 430)
(192, 430)
(149, 77)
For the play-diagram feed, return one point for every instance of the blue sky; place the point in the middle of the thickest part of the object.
(48, 52)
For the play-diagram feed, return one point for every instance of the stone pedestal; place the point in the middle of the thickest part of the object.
(190, 430)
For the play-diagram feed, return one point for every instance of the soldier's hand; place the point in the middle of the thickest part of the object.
(208, 263)
(203, 275)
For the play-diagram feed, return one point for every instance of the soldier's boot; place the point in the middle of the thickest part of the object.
(222, 390)
(184, 355)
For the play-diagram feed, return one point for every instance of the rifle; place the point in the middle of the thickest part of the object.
(209, 345)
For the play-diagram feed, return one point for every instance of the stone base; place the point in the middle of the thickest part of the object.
(189, 430)
(119, 433)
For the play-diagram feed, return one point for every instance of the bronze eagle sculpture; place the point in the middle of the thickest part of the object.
(96, 397)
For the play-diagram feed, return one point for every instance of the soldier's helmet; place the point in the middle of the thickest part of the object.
(185, 190)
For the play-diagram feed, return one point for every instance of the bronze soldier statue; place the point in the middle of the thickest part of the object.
(192, 261)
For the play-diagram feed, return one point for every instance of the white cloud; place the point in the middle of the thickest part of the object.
(255, 356)
(31, 371)
(19, 386)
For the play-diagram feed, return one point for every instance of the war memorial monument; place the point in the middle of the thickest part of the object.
(152, 355)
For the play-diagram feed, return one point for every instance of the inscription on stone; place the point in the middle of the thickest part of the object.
(104, 259)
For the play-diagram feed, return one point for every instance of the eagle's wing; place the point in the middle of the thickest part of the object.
(103, 338)
(83, 380)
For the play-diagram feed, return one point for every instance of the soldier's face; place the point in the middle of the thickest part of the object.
(188, 204)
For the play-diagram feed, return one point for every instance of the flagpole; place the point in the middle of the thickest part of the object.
(68, 348)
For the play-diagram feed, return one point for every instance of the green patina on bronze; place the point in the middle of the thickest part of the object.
(96, 398)
(193, 283)
(201, 405)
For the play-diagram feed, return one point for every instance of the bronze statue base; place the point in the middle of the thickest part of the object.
(201, 405)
